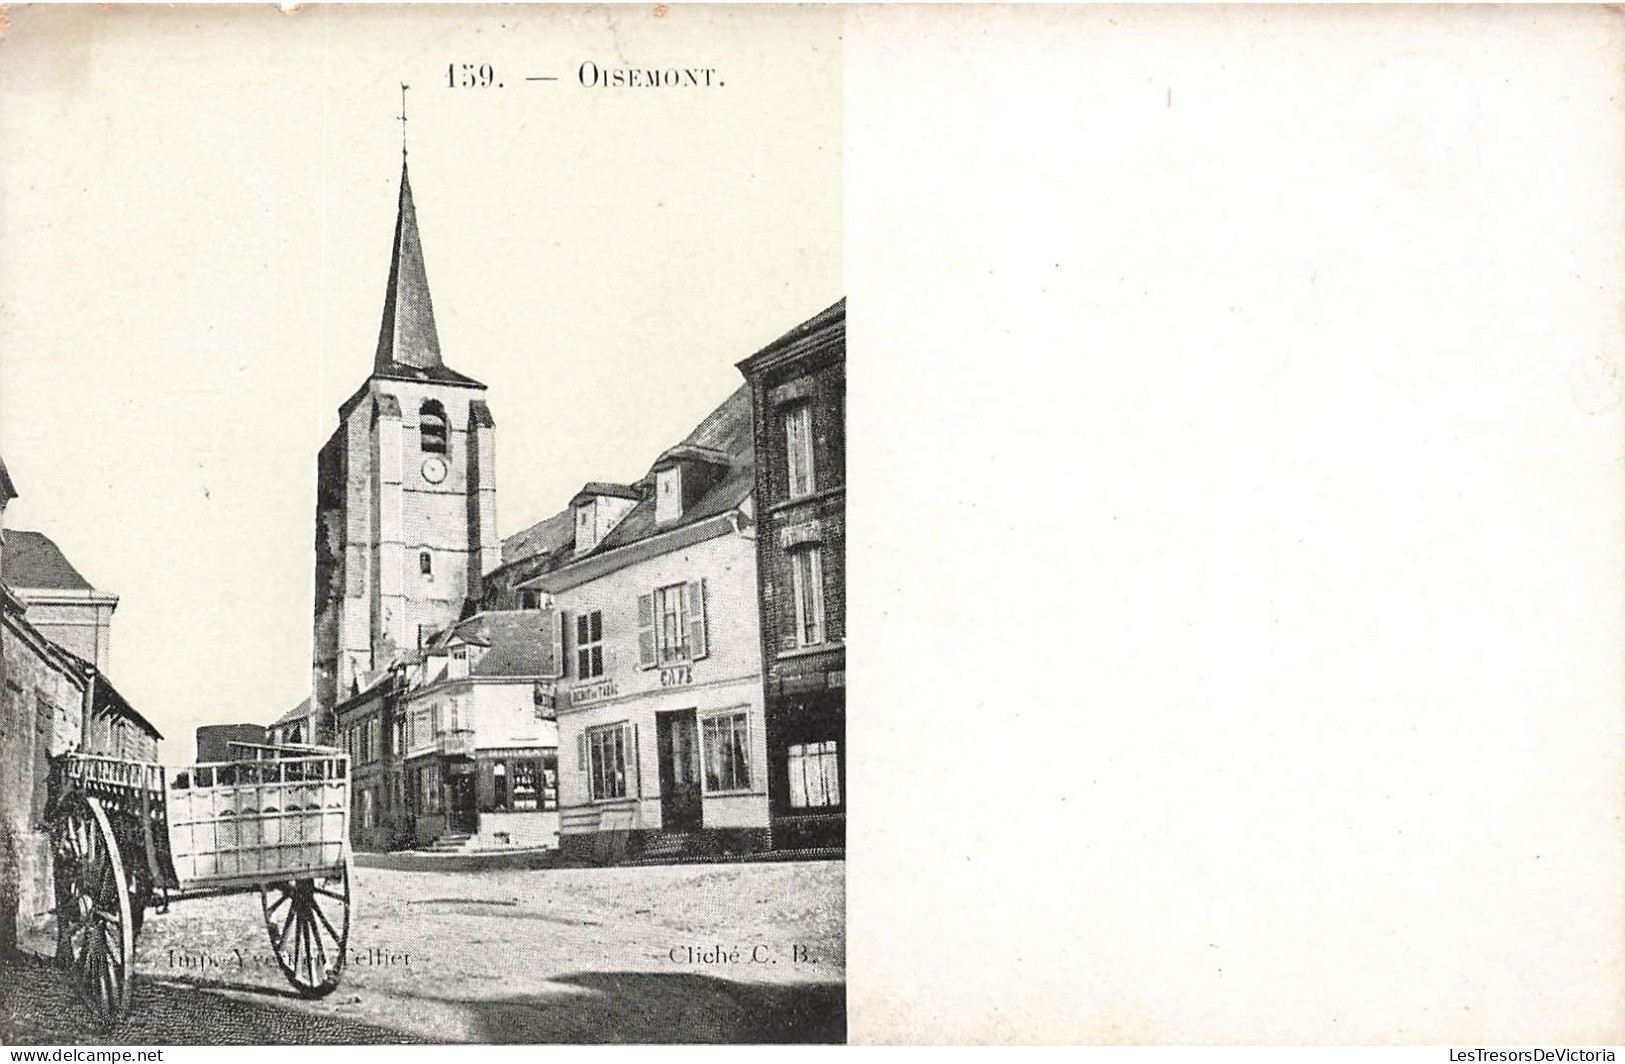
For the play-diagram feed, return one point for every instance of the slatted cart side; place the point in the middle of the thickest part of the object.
(241, 823)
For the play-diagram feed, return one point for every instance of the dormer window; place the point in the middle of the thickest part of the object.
(668, 494)
(798, 439)
(432, 427)
(586, 525)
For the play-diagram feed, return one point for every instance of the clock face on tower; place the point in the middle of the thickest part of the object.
(434, 469)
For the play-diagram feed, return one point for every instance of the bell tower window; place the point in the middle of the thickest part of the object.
(432, 427)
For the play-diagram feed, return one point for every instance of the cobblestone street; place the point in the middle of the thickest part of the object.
(516, 956)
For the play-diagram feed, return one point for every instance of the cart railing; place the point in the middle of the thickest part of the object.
(96, 773)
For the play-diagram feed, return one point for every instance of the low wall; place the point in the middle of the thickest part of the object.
(518, 830)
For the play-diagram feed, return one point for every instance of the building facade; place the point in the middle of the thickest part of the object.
(62, 604)
(456, 745)
(51, 701)
(798, 398)
(406, 497)
(659, 701)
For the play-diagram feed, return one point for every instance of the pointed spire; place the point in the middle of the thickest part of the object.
(407, 336)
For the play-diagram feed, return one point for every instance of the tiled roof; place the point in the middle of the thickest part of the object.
(107, 696)
(724, 437)
(299, 712)
(541, 538)
(512, 638)
(33, 561)
(834, 312)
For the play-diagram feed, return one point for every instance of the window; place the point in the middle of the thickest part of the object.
(589, 645)
(671, 625)
(668, 495)
(432, 427)
(606, 762)
(425, 563)
(807, 578)
(499, 782)
(586, 526)
(815, 775)
(727, 753)
(671, 634)
(399, 746)
(367, 819)
(798, 438)
(530, 600)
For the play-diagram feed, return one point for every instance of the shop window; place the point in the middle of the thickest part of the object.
(815, 775)
(606, 761)
(524, 786)
(798, 440)
(727, 753)
(807, 581)
(589, 645)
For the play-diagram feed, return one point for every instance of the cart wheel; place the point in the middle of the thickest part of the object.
(309, 924)
(95, 932)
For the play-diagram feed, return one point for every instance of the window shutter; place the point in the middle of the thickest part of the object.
(636, 790)
(557, 634)
(566, 632)
(646, 631)
(581, 752)
(696, 620)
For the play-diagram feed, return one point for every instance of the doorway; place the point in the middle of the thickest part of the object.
(463, 814)
(678, 739)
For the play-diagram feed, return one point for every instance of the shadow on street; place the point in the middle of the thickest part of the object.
(37, 1006)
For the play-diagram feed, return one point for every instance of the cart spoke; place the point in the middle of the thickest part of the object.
(330, 893)
(317, 909)
(292, 913)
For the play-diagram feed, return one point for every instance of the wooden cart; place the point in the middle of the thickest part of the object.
(128, 835)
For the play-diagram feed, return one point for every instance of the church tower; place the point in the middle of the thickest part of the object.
(406, 493)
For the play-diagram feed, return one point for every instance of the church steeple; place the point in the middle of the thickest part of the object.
(407, 336)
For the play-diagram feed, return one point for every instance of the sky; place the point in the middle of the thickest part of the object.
(196, 208)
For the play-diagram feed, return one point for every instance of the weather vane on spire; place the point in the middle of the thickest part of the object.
(402, 119)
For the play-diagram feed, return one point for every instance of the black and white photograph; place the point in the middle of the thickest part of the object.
(429, 594)
(423, 553)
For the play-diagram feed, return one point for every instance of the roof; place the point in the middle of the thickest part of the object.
(8, 490)
(107, 697)
(543, 537)
(726, 434)
(835, 312)
(602, 487)
(688, 451)
(32, 561)
(408, 343)
(513, 639)
(299, 712)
